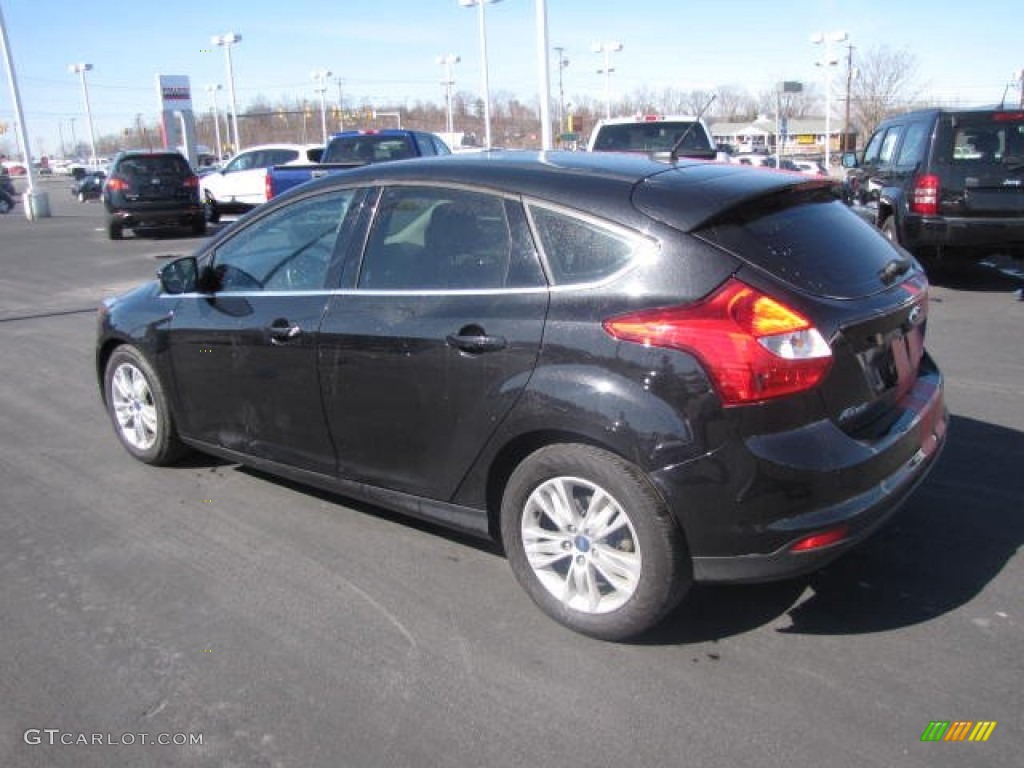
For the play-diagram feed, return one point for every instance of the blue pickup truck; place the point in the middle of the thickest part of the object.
(351, 149)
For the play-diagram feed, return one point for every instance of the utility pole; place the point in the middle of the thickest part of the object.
(844, 145)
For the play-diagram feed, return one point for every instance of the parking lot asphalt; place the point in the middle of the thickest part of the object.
(287, 627)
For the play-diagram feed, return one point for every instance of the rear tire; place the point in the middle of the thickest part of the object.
(889, 230)
(115, 231)
(210, 210)
(139, 410)
(590, 540)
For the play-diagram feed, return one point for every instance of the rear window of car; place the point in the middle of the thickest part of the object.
(987, 138)
(808, 239)
(155, 165)
(658, 136)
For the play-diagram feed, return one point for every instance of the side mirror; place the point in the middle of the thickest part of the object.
(179, 276)
(849, 160)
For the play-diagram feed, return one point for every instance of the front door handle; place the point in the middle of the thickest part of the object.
(476, 344)
(281, 331)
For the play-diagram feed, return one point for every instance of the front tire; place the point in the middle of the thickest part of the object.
(590, 540)
(139, 410)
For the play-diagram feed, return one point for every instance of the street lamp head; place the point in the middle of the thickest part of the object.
(829, 37)
(449, 58)
(214, 88)
(607, 46)
(471, 3)
(320, 74)
(229, 38)
(79, 68)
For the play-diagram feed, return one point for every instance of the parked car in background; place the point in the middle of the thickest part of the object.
(810, 167)
(8, 195)
(944, 183)
(636, 375)
(241, 184)
(655, 135)
(88, 186)
(755, 159)
(351, 149)
(152, 189)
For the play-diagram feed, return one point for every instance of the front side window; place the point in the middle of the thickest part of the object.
(432, 238)
(888, 151)
(288, 250)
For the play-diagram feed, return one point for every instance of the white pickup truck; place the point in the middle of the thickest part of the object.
(655, 135)
(242, 183)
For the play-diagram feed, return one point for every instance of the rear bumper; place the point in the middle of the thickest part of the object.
(953, 232)
(179, 215)
(741, 526)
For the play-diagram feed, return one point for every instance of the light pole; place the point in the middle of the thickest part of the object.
(562, 64)
(607, 48)
(226, 41)
(483, 55)
(826, 39)
(448, 61)
(341, 104)
(320, 76)
(212, 90)
(80, 70)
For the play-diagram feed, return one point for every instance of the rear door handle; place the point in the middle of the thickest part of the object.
(281, 331)
(476, 345)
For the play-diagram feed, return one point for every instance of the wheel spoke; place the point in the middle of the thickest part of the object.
(620, 569)
(148, 417)
(121, 387)
(543, 547)
(604, 516)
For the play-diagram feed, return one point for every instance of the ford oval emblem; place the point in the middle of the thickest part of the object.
(916, 315)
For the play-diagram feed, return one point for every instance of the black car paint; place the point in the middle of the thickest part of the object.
(398, 416)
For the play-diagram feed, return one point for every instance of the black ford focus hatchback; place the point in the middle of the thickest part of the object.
(635, 375)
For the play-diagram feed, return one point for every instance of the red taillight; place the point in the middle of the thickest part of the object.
(268, 186)
(822, 539)
(191, 182)
(925, 197)
(117, 184)
(752, 346)
(1008, 117)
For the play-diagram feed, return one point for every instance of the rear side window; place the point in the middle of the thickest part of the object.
(581, 251)
(915, 141)
(431, 239)
(810, 240)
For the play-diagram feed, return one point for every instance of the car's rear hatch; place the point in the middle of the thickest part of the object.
(157, 180)
(866, 297)
(979, 164)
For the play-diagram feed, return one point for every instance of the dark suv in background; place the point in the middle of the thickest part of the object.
(944, 182)
(152, 189)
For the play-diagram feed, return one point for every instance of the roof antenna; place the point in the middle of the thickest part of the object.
(674, 153)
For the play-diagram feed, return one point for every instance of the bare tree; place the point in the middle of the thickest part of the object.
(881, 80)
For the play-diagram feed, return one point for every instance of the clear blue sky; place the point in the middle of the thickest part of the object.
(385, 50)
